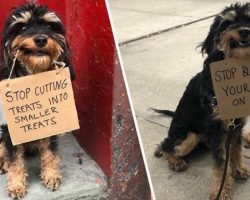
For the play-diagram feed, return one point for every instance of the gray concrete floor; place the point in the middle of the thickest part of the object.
(158, 69)
(83, 181)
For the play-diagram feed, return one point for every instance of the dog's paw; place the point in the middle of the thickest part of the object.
(16, 192)
(3, 167)
(52, 182)
(241, 173)
(178, 165)
(246, 140)
(224, 196)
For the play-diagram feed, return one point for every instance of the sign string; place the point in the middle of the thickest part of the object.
(227, 53)
(56, 63)
(59, 69)
(12, 68)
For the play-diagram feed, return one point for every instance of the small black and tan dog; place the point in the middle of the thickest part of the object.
(196, 118)
(36, 36)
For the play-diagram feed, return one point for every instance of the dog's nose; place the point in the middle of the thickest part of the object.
(244, 32)
(40, 41)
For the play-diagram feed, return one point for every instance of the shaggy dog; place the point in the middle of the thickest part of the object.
(36, 36)
(196, 118)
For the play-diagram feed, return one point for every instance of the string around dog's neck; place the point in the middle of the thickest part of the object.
(12, 67)
(58, 66)
(227, 53)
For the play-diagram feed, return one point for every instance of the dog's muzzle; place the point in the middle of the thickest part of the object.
(40, 41)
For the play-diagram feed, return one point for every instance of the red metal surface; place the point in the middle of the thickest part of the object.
(91, 40)
(129, 178)
(92, 43)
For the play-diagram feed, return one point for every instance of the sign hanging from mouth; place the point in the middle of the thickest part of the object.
(39, 106)
(231, 82)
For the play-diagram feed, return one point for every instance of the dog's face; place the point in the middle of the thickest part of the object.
(37, 34)
(230, 32)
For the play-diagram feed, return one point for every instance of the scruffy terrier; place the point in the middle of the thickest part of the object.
(36, 36)
(196, 118)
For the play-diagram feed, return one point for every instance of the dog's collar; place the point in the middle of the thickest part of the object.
(229, 125)
(58, 63)
(213, 101)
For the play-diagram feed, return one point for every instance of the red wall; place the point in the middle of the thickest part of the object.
(92, 43)
(91, 40)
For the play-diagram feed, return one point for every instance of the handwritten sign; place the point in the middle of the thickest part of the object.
(231, 84)
(39, 106)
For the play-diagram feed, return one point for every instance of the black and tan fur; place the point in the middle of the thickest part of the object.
(36, 35)
(196, 119)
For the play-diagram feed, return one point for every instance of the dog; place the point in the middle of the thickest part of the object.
(196, 119)
(36, 36)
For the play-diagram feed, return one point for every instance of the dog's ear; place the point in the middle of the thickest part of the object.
(72, 72)
(5, 58)
(68, 60)
(209, 43)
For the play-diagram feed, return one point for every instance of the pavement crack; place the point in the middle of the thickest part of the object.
(152, 12)
(164, 30)
(152, 122)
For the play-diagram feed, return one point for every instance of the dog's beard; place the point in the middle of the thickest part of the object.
(233, 46)
(33, 58)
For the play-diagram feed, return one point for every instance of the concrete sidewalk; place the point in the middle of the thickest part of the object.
(133, 19)
(158, 69)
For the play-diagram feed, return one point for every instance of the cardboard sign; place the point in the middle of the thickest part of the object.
(39, 106)
(231, 84)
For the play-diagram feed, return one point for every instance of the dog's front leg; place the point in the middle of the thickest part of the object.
(217, 144)
(2, 160)
(50, 172)
(217, 178)
(239, 169)
(16, 175)
(218, 175)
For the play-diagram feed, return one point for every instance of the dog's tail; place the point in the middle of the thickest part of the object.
(159, 152)
(164, 112)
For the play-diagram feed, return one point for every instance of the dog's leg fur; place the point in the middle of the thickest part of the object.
(176, 163)
(239, 169)
(175, 156)
(217, 146)
(16, 175)
(216, 182)
(217, 178)
(50, 172)
(2, 159)
(186, 145)
(246, 139)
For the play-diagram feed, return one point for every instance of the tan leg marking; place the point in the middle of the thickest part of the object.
(2, 161)
(246, 139)
(50, 172)
(175, 160)
(239, 169)
(16, 175)
(176, 163)
(187, 145)
(217, 177)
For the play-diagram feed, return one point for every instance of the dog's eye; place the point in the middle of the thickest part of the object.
(24, 28)
(48, 26)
